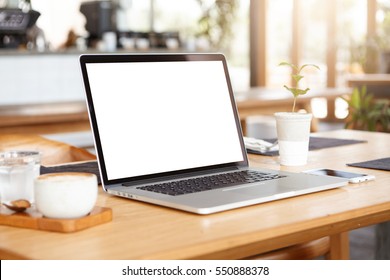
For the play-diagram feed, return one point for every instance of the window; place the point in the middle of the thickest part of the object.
(352, 23)
(339, 36)
(279, 40)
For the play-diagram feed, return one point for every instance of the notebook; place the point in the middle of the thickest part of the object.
(167, 132)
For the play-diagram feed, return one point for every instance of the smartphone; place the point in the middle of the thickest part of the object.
(353, 177)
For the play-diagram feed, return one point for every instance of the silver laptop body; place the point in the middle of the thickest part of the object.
(159, 118)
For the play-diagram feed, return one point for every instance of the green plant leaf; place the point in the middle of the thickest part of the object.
(354, 101)
(302, 91)
(306, 65)
(292, 90)
(367, 102)
(297, 91)
(288, 64)
(297, 77)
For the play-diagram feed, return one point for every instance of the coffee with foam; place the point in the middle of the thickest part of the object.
(65, 195)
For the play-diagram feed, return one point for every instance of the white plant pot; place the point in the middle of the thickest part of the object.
(293, 130)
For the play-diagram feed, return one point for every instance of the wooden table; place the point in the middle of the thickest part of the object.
(265, 101)
(144, 231)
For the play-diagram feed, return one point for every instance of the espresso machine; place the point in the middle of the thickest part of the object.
(14, 26)
(101, 18)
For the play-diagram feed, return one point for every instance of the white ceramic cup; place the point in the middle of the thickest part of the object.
(109, 41)
(67, 195)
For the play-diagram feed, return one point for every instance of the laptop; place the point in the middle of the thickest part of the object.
(167, 132)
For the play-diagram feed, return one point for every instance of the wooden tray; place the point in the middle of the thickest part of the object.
(35, 220)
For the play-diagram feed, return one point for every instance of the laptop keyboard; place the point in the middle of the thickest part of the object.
(206, 183)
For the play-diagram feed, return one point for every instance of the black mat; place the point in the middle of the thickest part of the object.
(88, 167)
(381, 164)
(315, 143)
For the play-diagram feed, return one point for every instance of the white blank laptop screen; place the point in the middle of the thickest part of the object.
(158, 117)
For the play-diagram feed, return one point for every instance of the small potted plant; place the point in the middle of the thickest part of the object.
(293, 128)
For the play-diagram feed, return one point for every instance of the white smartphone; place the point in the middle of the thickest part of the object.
(353, 177)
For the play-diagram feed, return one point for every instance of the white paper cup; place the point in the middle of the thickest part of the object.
(293, 130)
(66, 195)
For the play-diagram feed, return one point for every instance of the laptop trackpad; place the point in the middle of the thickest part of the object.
(260, 190)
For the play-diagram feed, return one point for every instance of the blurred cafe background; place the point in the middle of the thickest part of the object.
(41, 89)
